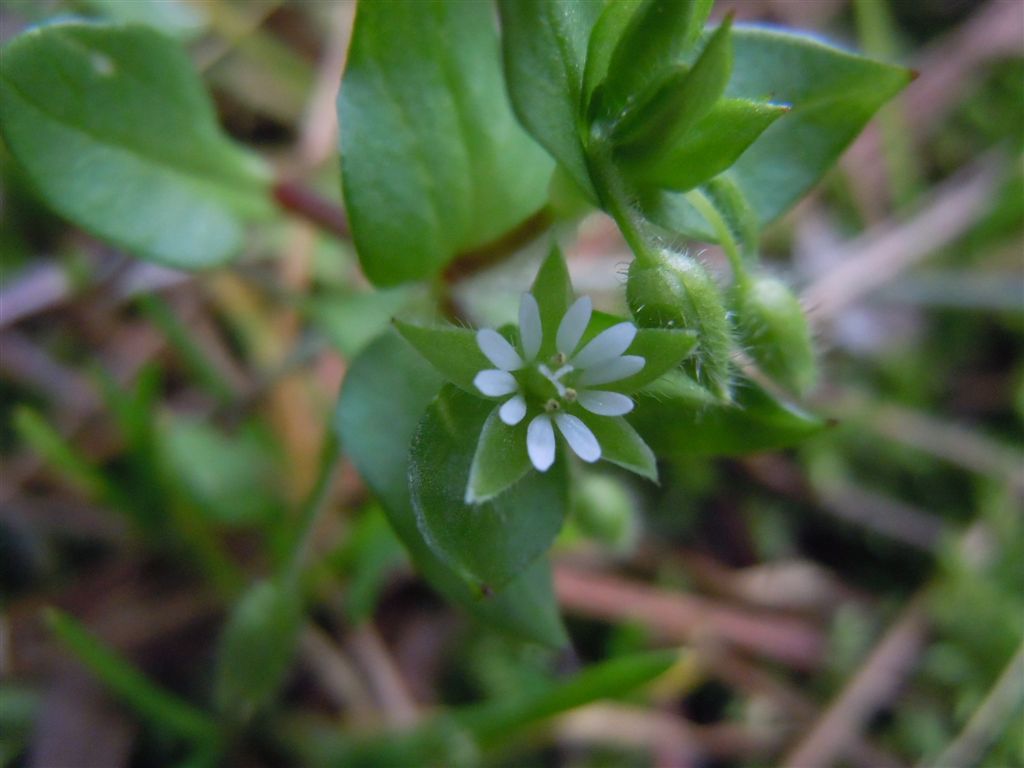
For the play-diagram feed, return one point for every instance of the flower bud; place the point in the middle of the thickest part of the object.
(604, 510)
(772, 326)
(678, 292)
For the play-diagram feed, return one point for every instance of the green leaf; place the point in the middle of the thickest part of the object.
(832, 94)
(500, 459)
(117, 133)
(756, 422)
(231, 478)
(497, 722)
(709, 147)
(455, 738)
(622, 445)
(49, 445)
(433, 161)
(164, 710)
(387, 388)
(545, 50)
(490, 543)
(676, 104)
(257, 647)
(656, 37)
(452, 351)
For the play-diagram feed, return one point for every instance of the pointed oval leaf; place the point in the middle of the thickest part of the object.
(117, 133)
(386, 390)
(489, 543)
(709, 147)
(433, 161)
(545, 50)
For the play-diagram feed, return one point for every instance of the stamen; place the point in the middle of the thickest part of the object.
(569, 395)
(552, 405)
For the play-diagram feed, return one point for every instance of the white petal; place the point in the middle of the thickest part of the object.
(579, 437)
(495, 383)
(612, 370)
(513, 410)
(573, 324)
(604, 403)
(530, 332)
(606, 345)
(540, 442)
(498, 350)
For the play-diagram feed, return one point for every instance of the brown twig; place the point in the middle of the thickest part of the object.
(681, 616)
(308, 204)
(872, 687)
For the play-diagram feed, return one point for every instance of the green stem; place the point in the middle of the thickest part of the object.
(311, 507)
(616, 204)
(711, 214)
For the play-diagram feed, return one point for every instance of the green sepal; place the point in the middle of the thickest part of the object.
(488, 544)
(677, 100)
(711, 146)
(453, 351)
(658, 34)
(756, 421)
(552, 289)
(500, 459)
(662, 350)
(623, 445)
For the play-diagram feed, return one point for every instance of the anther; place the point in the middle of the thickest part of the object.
(552, 405)
(570, 395)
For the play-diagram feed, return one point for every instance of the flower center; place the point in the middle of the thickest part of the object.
(549, 383)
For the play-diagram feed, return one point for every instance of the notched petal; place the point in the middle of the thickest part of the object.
(495, 383)
(612, 370)
(498, 350)
(605, 403)
(540, 442)
(579, 437)
(573, 324)
(513, 410)
(606, 345)
(530, 332)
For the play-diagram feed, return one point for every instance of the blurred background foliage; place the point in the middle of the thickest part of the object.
(166, 439)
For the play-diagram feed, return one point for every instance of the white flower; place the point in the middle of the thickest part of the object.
(567, 380)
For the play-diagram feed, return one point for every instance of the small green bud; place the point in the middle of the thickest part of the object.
(678, 292)
(604, 510)
(772, 325)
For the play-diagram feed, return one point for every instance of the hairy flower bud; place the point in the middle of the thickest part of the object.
(772, 326)
(678, 292)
